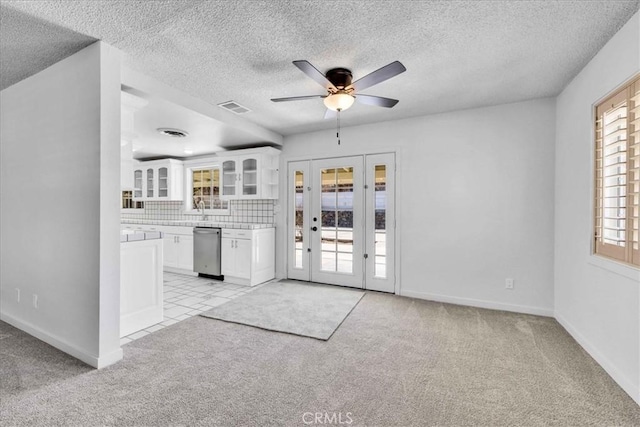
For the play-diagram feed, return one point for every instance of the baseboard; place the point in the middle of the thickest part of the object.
(479, 303)
(62, 345)
(606, 364)
(180, 271)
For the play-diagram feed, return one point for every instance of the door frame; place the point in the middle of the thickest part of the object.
(287, 203)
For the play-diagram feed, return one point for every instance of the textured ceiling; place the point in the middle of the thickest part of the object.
(458, 54)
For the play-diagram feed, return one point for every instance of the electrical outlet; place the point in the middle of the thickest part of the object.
(17, 295)
(508, 283)
(35, 301)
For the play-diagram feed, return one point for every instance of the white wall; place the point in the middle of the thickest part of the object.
(597, 301)
(474, 201)
(59, 217)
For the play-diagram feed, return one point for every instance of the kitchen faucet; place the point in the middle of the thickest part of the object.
(201, 206)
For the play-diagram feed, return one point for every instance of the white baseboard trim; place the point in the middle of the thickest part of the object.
(62, 345)
(180, 271)
(606, 364)
(479, 303)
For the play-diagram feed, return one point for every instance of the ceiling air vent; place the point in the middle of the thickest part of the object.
(175, 133)
(234, 107)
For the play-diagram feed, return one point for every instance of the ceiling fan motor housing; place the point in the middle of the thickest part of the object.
(340, 77)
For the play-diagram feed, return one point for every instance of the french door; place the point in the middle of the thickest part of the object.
(341, 222)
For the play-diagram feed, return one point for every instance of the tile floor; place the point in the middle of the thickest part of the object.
(186, 296)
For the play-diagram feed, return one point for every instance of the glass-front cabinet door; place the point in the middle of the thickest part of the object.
(229, 178)
(163, 182)
(149, 183)
(249, 177)
(253, 175)
(137, 184)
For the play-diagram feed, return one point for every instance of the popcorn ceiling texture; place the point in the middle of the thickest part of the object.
(459, 55)
(242, 211)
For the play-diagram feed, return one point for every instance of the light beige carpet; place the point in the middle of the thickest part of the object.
(298, 308)
(393, 362)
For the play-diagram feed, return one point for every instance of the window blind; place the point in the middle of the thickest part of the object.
(617, 175)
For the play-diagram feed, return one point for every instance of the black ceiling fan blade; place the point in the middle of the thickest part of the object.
(378, 76)
(378, 101)
(297, 98)
(311, 71)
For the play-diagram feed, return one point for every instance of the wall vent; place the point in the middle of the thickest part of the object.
(234, 107)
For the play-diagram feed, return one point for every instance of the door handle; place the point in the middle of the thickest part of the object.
(314, 228)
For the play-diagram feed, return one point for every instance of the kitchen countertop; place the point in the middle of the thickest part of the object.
(181, 223)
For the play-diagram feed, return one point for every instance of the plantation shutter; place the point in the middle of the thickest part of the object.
(634, 171)
(617, 175)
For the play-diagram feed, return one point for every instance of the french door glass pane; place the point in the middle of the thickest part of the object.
(337, 219)
(299, 218)
(380, 215)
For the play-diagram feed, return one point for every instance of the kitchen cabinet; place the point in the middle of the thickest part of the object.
(248, 256)
(250, 174)
(158, 180)
(141, 282)
(178, 249)
(137, 183)
(177, 244)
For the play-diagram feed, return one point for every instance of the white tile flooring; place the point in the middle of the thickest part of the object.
(187, 296)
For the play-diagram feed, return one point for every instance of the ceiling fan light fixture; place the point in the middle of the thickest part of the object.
(339, 101)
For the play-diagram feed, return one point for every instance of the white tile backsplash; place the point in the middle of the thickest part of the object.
(245, 211)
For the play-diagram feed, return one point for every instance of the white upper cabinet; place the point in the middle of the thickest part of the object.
(158, 180)
(250, 174)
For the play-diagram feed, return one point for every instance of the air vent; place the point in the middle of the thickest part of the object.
(175, 133)
(234, 107)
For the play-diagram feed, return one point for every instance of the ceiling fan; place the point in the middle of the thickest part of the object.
(341, 92)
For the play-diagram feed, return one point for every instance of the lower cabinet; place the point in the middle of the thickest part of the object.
(141, 285)
(248, 256)
(177, 242)
(178, 250)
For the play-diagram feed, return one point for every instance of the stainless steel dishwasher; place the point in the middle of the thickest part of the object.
(206, 251)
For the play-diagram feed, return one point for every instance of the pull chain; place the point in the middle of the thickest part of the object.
(338, 132)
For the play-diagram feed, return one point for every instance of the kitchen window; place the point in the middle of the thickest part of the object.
(128, 202)
(617, 175)
(205, 190)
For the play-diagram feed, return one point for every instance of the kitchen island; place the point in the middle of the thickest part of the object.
(141, 280)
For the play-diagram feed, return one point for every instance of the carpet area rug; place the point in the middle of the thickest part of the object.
(305, 309)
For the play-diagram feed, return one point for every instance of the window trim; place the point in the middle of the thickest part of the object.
(625, 267)
(188, 170)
